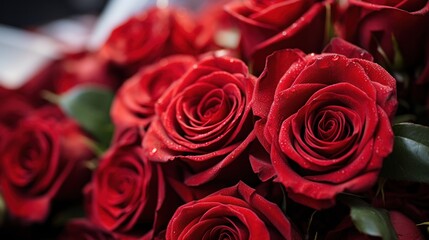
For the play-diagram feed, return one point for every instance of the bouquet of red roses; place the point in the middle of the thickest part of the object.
(247, 119)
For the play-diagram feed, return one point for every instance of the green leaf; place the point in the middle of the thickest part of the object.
(329, 29)
(398, 61)
(369, 220)
(412, 131)
(410, 157)
(90, 107)
(63, 217)
(404, 118)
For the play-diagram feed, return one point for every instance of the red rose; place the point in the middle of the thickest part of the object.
(134, 104)
(128, 195)
(324, 119)
(405, 229)
(151, 35)
(237, 212)
(84, 230)
(267, 26)
(44, 163)
(204, 123)
(380, 25)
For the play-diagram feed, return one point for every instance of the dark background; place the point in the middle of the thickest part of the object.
(31, 13)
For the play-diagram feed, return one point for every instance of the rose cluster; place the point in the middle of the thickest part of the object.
(171, 130)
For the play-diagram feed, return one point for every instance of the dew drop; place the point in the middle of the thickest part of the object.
(335, 58)
(231, 60)
(377, 150)
(154, 150)
(284, 33)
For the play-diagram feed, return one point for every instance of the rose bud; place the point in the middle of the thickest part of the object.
(267, 26)
(134, 104)
(203, 124)
(84, 230)
(325, 122)
(405, 229)
(392, 31)
(236, 212)
(43, 164)
(128, 195)
(151, 35)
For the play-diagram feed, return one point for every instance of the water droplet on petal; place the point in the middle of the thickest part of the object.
(154, 150)
(377, 150)
(284, 33)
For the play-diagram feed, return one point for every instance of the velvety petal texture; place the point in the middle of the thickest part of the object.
(238, 212)
(325, 122)
(388, 30)
(267, 26)
(44, 162)
(134, 103)
(153, 34)
(204, 121)
(128, 192)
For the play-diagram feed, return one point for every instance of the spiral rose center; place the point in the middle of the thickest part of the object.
(225, 229)
(209, 106)
(329, 131)
(121, 185)
(30, 161)
(211, 103)
(331, 126)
